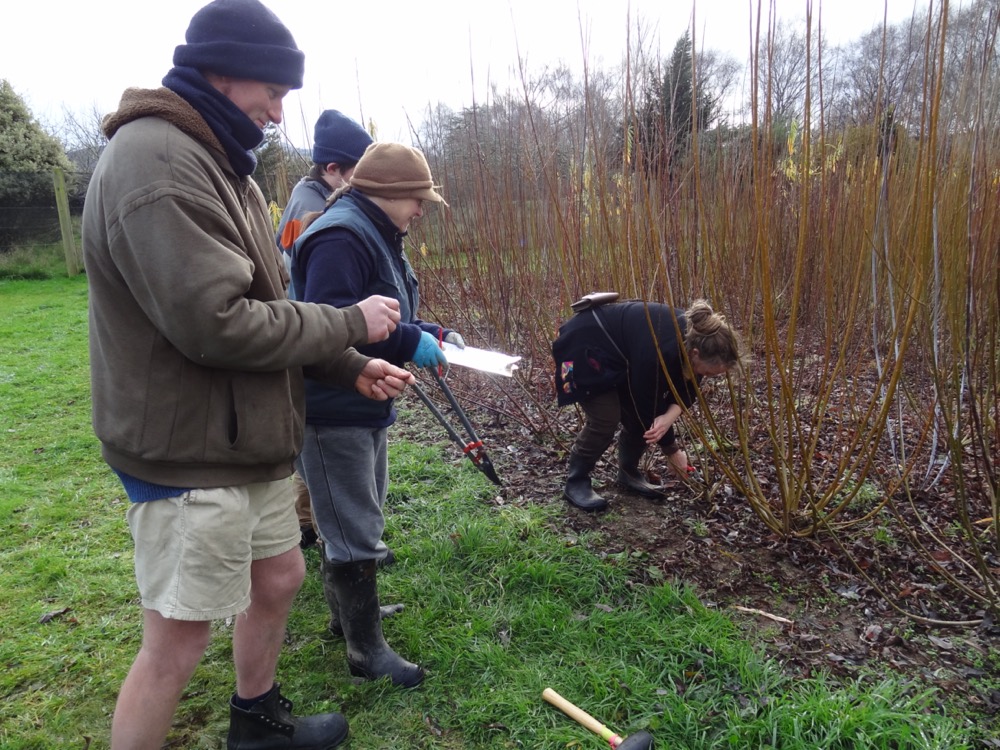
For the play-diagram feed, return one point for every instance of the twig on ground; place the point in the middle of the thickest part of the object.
(762, 613)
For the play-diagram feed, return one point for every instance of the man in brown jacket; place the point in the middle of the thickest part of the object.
(197, 360)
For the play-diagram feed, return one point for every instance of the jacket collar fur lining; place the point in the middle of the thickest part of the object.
(165, 104)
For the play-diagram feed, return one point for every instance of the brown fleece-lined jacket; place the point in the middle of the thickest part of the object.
(196, 353)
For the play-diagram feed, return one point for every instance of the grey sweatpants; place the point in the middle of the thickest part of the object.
(346, 470)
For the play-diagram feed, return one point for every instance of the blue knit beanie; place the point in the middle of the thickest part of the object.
(242, 39)
(338, 139)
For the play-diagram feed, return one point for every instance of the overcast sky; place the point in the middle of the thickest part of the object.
(383, 61)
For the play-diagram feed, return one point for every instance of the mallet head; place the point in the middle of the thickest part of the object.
(637, 741)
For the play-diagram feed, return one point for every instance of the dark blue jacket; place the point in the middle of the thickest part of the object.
(349, 253)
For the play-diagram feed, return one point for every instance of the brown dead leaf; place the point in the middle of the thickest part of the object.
(49, 616)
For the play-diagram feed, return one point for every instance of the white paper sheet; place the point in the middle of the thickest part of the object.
(483, 360)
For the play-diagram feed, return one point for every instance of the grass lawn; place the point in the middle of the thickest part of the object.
(499, 605)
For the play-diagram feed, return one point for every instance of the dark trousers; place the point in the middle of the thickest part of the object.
(602, 415)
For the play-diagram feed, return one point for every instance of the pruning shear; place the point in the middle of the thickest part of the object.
(471, 447)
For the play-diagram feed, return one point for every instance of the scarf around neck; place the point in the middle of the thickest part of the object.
(237, 133)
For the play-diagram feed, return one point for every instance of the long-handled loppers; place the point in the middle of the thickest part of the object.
(471, 447)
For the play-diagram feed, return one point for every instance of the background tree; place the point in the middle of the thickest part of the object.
(718, 73)
(971, 85)
(783, 67)
(671, 107)
(82, 135)
(27, 157)
(883, 67)
(279, 166)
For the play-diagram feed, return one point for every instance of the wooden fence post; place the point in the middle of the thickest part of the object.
(66, 223)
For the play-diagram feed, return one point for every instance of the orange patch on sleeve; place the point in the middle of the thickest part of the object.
(291, 233)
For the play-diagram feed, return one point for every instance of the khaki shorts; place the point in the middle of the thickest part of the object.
(193, 551)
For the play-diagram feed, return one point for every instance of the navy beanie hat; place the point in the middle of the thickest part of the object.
(242, 39)
(338, 139)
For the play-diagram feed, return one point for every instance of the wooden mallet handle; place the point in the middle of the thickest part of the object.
(582, 717)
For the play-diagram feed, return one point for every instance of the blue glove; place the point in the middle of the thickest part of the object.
(455, 338)
(428, 352)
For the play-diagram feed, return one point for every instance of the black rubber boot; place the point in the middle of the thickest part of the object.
(630, 478)
(389, 560)
(270, 725)
(368, 655)
(307, 536)
(330, 594)
(578, 489)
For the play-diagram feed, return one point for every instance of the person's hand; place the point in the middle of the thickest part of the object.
(660, 426)
(381, 316)
(455, 338)
(679, 463)
(428, 352)
(381, 381)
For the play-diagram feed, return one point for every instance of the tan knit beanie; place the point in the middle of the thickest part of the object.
(392, 170)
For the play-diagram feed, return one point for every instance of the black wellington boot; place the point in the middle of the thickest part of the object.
(630, 478)
(578, 489)
(270, 725)
(389, 560)
(368, 655)
(330, 594)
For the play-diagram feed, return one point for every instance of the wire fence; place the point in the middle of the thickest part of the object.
(29, 213)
